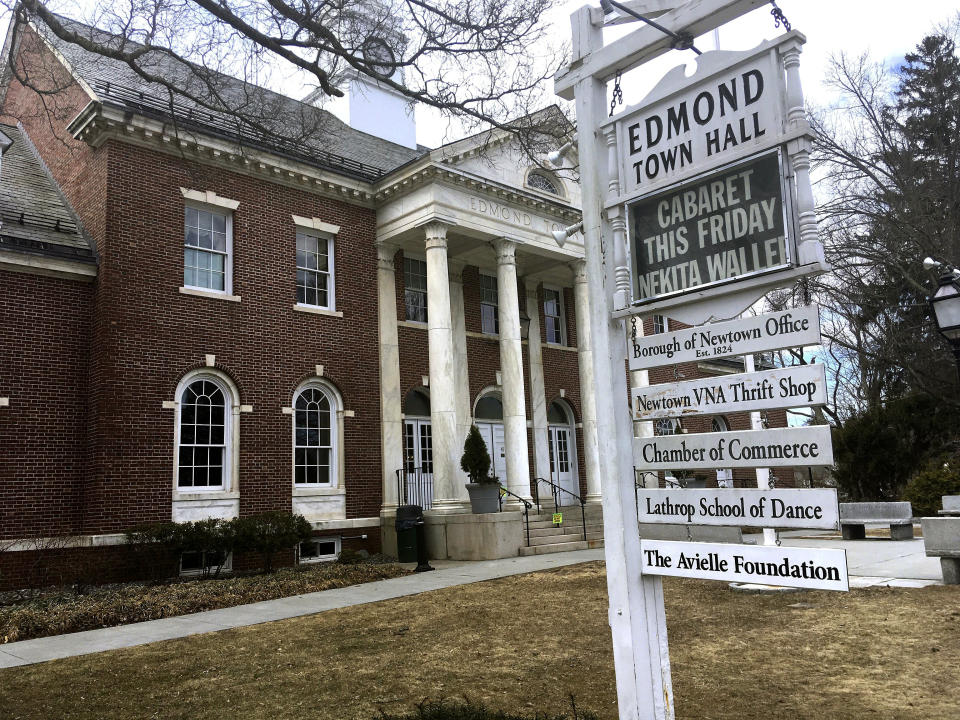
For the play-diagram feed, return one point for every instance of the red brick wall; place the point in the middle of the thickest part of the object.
(46, 324)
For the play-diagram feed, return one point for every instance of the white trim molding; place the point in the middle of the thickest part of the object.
(317, 310)
(209, 294)
(315, 224)
(210, 198)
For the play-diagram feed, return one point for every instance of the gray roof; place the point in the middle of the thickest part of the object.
(295, 128)
(34, 214)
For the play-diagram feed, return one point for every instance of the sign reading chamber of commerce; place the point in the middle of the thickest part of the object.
(717, 228)
(774, 447)
(798, 386)
(807, 508)
(773, 331)
(734, 103)
(818, 569)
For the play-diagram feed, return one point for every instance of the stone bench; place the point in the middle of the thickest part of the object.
(854, 516)
(951, 505)
(941, 538)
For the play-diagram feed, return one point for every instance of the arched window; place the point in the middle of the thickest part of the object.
(205, 425)
(416, 404)
(539, 180)
(667, 427)
(719, 424)
(489, 407)
(315, 436)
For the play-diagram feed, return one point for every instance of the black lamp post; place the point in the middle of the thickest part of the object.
(524, 324)
(945, 304)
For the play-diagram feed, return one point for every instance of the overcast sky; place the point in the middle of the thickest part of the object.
(883, 28)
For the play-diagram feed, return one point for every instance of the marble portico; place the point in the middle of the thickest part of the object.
(449, 212)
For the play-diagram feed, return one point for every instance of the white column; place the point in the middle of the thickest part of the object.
(443, 410)
(391, 413)
(511, 370)
(588, 400)
(763, 474)
(462, 377)
(538, 397)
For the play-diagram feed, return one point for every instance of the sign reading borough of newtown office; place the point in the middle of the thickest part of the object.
(714, 229)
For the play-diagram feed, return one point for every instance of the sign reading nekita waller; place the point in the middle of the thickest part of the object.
(717, 228)
(787, 508)
(798, 327)
(819, 569)
(735, 102)
(799, 386)
(773, 447)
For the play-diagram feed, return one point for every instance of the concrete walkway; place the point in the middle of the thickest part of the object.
(871, 562)
(447, 574)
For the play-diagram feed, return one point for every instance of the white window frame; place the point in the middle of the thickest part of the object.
(338, 545)
(228, 254)
(562, 317)
(666, 324)
(331, 270)
(231, 436)
(551, 178)
(336, 436)
(495, 305)
(406, 287)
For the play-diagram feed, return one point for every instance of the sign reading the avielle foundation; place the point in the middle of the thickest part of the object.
(775, 447)
(798, 386)
(773, 331)
(816, 569)
(786, 508)
(720, 227)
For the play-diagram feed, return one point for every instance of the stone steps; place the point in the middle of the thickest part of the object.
(565, 530)
(560, 547)
(569, 538)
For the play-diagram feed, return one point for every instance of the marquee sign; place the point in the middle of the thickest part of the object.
(798, 327)
(816, 569)
(782, 508)
(798, 386)
(774, 447)
(714, 229)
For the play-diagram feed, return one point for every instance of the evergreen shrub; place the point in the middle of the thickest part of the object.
(475, 461)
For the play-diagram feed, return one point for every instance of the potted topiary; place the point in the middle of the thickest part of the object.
(484, 490)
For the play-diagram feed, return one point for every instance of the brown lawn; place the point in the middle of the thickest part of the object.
(523, 644)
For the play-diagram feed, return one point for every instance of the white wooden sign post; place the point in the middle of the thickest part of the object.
(768, 238)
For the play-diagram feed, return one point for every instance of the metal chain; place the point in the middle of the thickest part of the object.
(617, 98)
(633, 327)
(778, 18)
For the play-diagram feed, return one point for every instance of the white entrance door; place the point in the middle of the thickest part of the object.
(418, 462)
(493, 436)
(562, 467)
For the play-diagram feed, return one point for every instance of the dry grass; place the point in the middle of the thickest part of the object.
(523, 643)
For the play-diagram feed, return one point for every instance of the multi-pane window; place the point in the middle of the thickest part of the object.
(415, 289)
(489, 321)
(206, 251)
(314, 429)
(659, 324)
(666, 427)
(202, 452)
(553, 315)
(541, 181)
(315, 270)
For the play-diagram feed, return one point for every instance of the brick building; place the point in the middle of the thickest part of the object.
(198, 323)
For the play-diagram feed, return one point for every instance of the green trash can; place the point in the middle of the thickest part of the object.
(408, 517)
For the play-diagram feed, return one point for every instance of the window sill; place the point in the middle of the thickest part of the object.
(317, 310)
(555, 346)
(201, 495)
(412, 324)
(483, 335)
(196, 292)
(308, 491)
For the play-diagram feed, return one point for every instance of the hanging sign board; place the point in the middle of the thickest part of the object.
(815, 569)
(774, 447)
(798, 386)
(799, 327)
(714, 229)
(786, 508)
(735, 103)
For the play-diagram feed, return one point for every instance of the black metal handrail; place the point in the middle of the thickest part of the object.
(556, 499)
(415, 487)
(526, 507)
